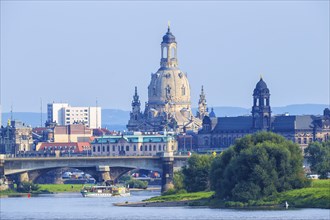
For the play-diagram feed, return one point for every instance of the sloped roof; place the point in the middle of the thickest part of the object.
(294, 122)
(234, 123)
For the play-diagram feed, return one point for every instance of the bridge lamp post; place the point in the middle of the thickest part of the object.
(184, 142)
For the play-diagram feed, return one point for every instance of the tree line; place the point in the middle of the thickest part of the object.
(256, 166)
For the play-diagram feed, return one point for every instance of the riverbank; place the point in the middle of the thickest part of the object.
(58, 188)
(316, 196)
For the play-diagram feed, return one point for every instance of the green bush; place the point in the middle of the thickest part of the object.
(196, 173)
(258, 166)
(318, 156)
(139, 184)
(26, 187)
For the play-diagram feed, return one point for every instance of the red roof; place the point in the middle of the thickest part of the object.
(77, 147)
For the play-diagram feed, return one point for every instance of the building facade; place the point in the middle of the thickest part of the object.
(63, 149)
(64, 114)
(219, 133)
(72, 133)
(169, 105)
(15, 138)
(134, 144)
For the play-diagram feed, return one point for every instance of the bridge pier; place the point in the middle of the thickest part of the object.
(22, 177)
(103, 173)
(167, 177)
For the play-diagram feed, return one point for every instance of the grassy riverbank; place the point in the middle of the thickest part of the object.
(58, 188)
(316, 196)
(46, 188)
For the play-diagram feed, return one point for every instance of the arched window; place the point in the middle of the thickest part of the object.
(206, 141)
(183, 90)
(164, 55)
(153, 91)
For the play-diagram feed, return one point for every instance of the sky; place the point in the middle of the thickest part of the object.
(82, 51)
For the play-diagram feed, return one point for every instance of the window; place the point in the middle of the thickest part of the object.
(159, 147)
(305, 140)
(299, 140)
(127, 148)
(141, 149)
(154, 149)
(173, 52)
(113, 147)
(108, 148)
(183, 90)
(118, 148)
(150, 148)
(98, 149)
(134, 147)
(164, 55)
(206, 141)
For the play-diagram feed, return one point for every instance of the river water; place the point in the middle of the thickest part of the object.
(72, 206)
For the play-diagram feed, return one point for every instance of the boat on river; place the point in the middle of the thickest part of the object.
(105, 191)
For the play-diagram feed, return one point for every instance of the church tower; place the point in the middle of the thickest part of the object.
(168, 51)
(202, 106)
(261, 112)
(135, 114)
(168, 105)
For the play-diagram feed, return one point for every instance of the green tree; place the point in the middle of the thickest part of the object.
(26, 187)
(178, 180)
(196, 173)
(257, 165)
(318, 156)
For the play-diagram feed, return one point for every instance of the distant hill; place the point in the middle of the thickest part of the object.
(116, 119)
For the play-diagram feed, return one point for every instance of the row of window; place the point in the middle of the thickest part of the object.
(128, 148)
(222, 141)
(68, 110)
(59, 147)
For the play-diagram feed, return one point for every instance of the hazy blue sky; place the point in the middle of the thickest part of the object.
(79, 50)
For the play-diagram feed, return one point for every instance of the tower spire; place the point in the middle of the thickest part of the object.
(168, 26)
(202, 105)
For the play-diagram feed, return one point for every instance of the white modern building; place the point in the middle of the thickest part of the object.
(64, 114)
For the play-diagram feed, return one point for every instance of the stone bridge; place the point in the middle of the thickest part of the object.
(101, 168)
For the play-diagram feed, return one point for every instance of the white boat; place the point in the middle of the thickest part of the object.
(105, 191)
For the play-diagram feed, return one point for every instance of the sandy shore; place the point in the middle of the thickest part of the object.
(149, 188)
(154, 204)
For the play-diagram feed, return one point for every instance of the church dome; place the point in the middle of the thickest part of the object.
(169, 86)
(168, 37)
(261, 88)
(261, 84)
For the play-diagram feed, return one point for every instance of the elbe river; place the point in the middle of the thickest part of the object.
(71, 206)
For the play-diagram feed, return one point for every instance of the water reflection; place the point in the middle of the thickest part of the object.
(69, 206)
